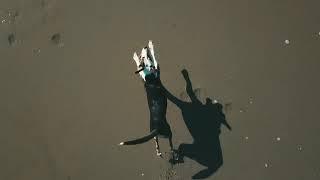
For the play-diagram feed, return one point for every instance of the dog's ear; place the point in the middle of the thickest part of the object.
(136, 59)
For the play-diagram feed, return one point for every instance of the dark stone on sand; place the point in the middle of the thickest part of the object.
(12, 39)
(56, 38)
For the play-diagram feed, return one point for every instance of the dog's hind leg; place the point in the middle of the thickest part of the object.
(174, 156)
(157, 146)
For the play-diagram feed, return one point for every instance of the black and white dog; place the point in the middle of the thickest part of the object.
(148, 69)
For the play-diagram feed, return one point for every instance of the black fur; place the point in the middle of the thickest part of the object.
(157, 103)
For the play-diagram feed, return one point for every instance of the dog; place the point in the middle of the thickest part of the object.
(149, 70)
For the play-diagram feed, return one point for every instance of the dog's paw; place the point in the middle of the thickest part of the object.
(144, 57)
(150, 45)
(175, 157)
(159, 154)
(151, 54)
(143, 53)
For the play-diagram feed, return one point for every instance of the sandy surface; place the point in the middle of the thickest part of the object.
(67, 101)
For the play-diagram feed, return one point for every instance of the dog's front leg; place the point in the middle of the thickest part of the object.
(174, 155)
(151, 50)
(140, 66)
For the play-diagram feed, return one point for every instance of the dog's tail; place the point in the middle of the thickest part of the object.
(142, 139)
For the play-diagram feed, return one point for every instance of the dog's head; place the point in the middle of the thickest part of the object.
(146, 62)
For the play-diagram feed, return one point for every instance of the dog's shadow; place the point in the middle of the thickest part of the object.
(204, 124)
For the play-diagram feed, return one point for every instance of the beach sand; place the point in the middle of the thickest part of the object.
(69, 94)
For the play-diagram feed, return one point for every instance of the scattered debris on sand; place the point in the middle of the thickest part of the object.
(8, 16)
(169, 174)
(246, 107)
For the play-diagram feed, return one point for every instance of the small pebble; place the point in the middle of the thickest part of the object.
(299, 148)
(246, 137)
(37, 51)
(56, 38)
(287, 41)
(3, 21)
(266, 165)
(11, 39)
(215, 101)
(142, 174)
(241, 111)
(251, 100)
(278, 139)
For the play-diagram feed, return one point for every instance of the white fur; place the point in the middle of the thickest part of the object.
(150, 45)
(147, 61)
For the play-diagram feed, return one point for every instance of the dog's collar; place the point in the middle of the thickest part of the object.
(139, 70)
(153, 85)
(142, 66)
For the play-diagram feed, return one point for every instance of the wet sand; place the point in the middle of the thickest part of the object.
(67, 100)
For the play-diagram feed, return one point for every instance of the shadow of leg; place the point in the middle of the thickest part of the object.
(203, 173)
(213, 163)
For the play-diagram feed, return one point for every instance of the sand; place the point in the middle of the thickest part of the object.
(69, 94)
